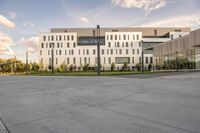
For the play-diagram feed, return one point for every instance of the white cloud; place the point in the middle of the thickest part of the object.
(5, 43)
(12, 15)
(4, 21)
(31, 43)
(84, 20)
(176, 21)
(28, 24)
(147, 5)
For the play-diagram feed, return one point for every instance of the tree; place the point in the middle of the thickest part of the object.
(71, 67)
(112, 66)
(125, 66)
(35, 67)
(64, 67)
(85, 67)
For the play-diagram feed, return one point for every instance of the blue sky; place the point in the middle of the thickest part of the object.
(22, 20)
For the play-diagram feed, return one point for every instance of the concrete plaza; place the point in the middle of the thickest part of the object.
(118, 104)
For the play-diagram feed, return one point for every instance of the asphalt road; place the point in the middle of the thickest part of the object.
(151, 104)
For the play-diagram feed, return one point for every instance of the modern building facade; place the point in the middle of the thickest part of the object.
(78, 46)
(180, 53)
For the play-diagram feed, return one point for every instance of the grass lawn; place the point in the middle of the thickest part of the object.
(89, 73)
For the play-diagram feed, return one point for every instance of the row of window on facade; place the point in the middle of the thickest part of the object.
(87, 52)
(58, 38)
(123, 37)
(123, 44)
(104, 60)
(60, 45)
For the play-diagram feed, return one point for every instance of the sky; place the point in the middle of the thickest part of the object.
(21, 21)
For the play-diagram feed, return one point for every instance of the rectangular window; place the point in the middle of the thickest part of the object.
(44, 38)
(124, 37)
(155, 32)
(60, 38)
(151, 60)
(115, 37)
(72, 37)
(102, 51)
(79, 51)
(65, 52)
(126, 51)
(80, 60)
(58, 45)
(56, 52)
(60, 52)
(40, 52)
(104, 60)
(126, 44)
(120, 51)
(87, 51)
(111, 51)
(139, 44)
(133, 37)
(72, 52)
(133, 51)
(85, 60)
(46, 45)
(133, 60)
(122, 60)
(117, 44)
(52, 38)
(68, 37)
(56, 60)
(74, 45)
(74, 60)
(107, 51)
(68, 62)
(138, 51)
(94, 33)
(147, 60)
(94, 52)
(137, 37)
(68, 45)
(116, 51)
(111, 37)
(48, 52)
(109, 44)
(83, 51)
(42, 45)
(109, 60)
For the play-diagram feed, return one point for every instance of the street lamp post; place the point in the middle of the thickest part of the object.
(142, 56)
(98, 50)
(52, 58)
(26, 62)
(177, 61)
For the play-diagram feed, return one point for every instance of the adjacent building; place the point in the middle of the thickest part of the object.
(78, 46)
(179, 53)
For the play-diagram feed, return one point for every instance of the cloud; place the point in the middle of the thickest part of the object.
(28, 24)
(5, 43)
(4, 21)
(176, 21)
(12, 15)
(147, 5)
(84, 20)
(31, 43)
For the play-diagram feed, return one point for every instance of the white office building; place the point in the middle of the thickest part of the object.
(78, 46)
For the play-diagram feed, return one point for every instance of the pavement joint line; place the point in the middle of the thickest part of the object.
(140, 118)
(43, 118)
(4, 126)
